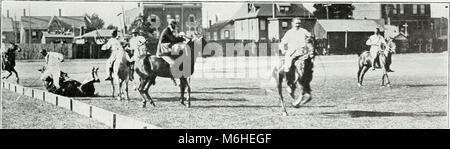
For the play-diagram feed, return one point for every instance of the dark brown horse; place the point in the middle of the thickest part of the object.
(148, 67)
(71, 87)
(301, 73)
(9, 60)
(364, 63)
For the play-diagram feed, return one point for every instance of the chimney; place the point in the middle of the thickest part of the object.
(7, 13)
(59, 12)
(24, 12)
(210, 23)
(217, 18)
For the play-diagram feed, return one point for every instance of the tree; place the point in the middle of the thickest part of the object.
(93, 22)
(110, 26)
(143, 26)
(335, 11)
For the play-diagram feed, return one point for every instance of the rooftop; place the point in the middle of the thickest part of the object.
(342, 25)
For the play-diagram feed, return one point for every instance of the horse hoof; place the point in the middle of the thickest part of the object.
(182, 103)
(359, 85)
(388, 85)
(284, 113)
(296, 105)
(188, 105)
(153, 104)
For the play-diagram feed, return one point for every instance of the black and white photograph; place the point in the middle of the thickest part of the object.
(224, 65)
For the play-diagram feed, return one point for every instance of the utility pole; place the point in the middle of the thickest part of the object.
(29, 18)
(123, 17)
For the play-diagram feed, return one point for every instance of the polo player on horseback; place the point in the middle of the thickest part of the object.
(115, 45)
(295, 39)
(166, 41)
(137, 48)
(375, 42)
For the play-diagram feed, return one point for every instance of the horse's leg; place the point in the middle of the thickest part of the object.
(280, 92)
(6, 77)
(143, 83)
(96, 78)
(188, 94)
(388, 83)
(147, 87)
(113, 88)
(127, 98)
(365, 69)
(182, 90)
(306, 92)
(383, 67)
(359, 76)
(120, 89)
(17, 76)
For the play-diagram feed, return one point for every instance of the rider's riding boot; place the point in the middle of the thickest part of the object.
(373, 66)
(388, 69)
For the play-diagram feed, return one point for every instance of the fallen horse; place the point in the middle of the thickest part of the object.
(71, 87)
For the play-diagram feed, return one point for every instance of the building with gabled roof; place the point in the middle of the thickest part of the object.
(222, 30)
(266, 21)
(345, 36)
(54, 26)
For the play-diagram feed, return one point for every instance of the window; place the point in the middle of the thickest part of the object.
(33, 34)
(191, 18)
(394, 11)
(284, 9)
(153, 18)
(386, 9)
(177, 18)
(215, 35)
(226, 34)
(262, 25)
(422, 9)
(414, 9)
(402, 10)
(284, 24)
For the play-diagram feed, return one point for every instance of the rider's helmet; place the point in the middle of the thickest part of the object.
(134, 31)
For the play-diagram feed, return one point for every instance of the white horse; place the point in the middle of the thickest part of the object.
(121, 74)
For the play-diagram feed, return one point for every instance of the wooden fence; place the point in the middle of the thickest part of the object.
(110, 119)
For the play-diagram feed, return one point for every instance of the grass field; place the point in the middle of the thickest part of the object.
(22, 112)
(417, 99)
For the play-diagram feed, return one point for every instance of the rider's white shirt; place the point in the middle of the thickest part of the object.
(375, 40)
(113, 44)
(295, 38)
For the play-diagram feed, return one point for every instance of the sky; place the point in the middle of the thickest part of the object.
(108, 10)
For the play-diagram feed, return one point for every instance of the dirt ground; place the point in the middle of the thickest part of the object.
(222, 98)
(22, 112)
